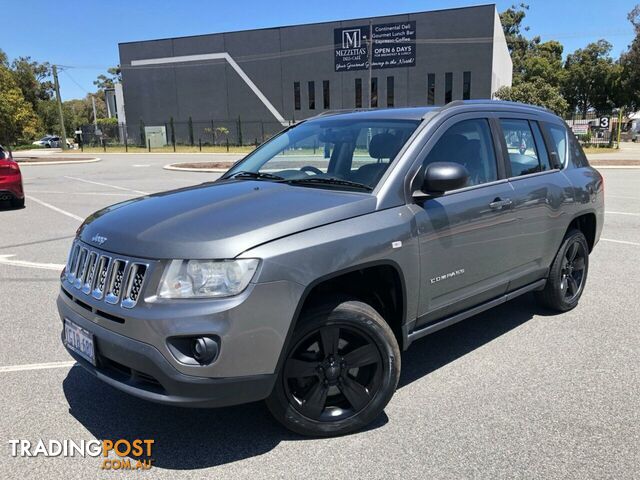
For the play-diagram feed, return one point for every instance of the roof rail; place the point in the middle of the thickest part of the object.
(488, 101)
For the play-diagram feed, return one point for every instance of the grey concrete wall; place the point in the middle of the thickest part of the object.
(453, 40)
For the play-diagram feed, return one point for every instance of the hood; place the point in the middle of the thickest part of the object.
(217, 220)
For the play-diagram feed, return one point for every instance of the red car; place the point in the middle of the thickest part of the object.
(10, 180)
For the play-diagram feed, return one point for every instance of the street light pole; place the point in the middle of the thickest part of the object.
(59, 101)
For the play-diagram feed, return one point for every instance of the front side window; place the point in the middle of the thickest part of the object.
(328, 153)
(468, 143)
(524, 154)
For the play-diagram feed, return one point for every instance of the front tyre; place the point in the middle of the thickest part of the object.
(340, 371)
(568, 274)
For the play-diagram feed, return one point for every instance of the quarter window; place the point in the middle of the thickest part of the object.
(521, 145)
(468, 143)
(559, 136)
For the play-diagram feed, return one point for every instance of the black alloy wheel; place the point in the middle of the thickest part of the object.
(567, 274)
(340, 371)
(333, 373)
(573, 270)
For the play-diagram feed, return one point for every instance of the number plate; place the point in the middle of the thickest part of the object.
(79, 340)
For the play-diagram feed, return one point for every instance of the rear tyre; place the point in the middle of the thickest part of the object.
(567, 275)
(340, 371)
(17, 203)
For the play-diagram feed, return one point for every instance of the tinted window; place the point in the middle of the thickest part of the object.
(466, 85)
(559, 137)
(390, 92)
(468, 143)
(296, 95)
(448, 87)
(374, 92)
(431, 89)
(578, 158)
(312, 95)
(358, 93)
(523, 153)
(326, 94)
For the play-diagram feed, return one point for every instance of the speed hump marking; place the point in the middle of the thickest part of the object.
(604, 122)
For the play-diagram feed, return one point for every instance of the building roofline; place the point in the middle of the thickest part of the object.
(311, 23)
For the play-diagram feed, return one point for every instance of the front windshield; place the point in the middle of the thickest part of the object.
(329, 153)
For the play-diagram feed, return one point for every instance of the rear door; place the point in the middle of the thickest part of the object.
(466, 235)
(539, 192)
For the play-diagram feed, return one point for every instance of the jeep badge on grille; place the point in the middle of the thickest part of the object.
(99, 239)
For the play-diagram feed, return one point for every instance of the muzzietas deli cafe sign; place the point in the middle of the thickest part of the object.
(393, 46)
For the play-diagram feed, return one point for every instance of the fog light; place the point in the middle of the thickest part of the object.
(200, 350)
(204, 350)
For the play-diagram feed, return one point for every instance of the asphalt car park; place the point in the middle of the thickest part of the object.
(512, 392)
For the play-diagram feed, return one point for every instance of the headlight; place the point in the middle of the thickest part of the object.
(206, 278)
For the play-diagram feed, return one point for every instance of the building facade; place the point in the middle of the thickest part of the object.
(245, 85)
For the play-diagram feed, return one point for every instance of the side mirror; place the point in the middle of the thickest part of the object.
(440, 177)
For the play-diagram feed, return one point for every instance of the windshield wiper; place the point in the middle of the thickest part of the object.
(254, 175)
(329, 181)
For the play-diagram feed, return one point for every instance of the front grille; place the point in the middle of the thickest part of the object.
(103, 276)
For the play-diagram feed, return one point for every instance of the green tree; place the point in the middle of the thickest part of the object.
(113, 76)
(18, 121)
(591, 78)
(630, 66)
(537, 92)
(33, 78)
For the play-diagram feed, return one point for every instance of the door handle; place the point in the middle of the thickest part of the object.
(499, 204)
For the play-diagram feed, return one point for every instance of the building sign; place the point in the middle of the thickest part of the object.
(394, 45)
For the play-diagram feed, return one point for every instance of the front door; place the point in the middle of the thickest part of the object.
(466, 235)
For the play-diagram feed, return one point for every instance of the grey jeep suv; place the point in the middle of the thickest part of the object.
(301, 274)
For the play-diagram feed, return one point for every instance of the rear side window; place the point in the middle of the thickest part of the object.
(578, 158)
(524, 153)
(559, 137)
(468, 143)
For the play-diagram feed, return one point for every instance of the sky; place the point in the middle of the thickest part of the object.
(84, 35)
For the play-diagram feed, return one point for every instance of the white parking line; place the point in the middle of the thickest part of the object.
(107, 194)
(608, 212)
(624, 242)
(36, 366)
(4, 260)
(55, 209)
(107, 185)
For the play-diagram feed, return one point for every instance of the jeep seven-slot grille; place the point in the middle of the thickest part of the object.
(104, 276)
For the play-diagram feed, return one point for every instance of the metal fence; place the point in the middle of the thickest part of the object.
(596, 129)
(235, 132)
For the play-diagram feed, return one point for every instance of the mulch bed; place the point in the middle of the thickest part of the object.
(614, 163)
(219, 165)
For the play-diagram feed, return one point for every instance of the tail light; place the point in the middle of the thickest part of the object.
(9, 168)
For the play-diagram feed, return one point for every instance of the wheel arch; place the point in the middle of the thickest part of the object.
(329, 284)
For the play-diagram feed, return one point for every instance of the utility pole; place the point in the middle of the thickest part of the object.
(63, 137)
(370, 49)
(95, 118)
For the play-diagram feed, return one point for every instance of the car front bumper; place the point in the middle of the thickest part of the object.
(132, 354)
(141, 370)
